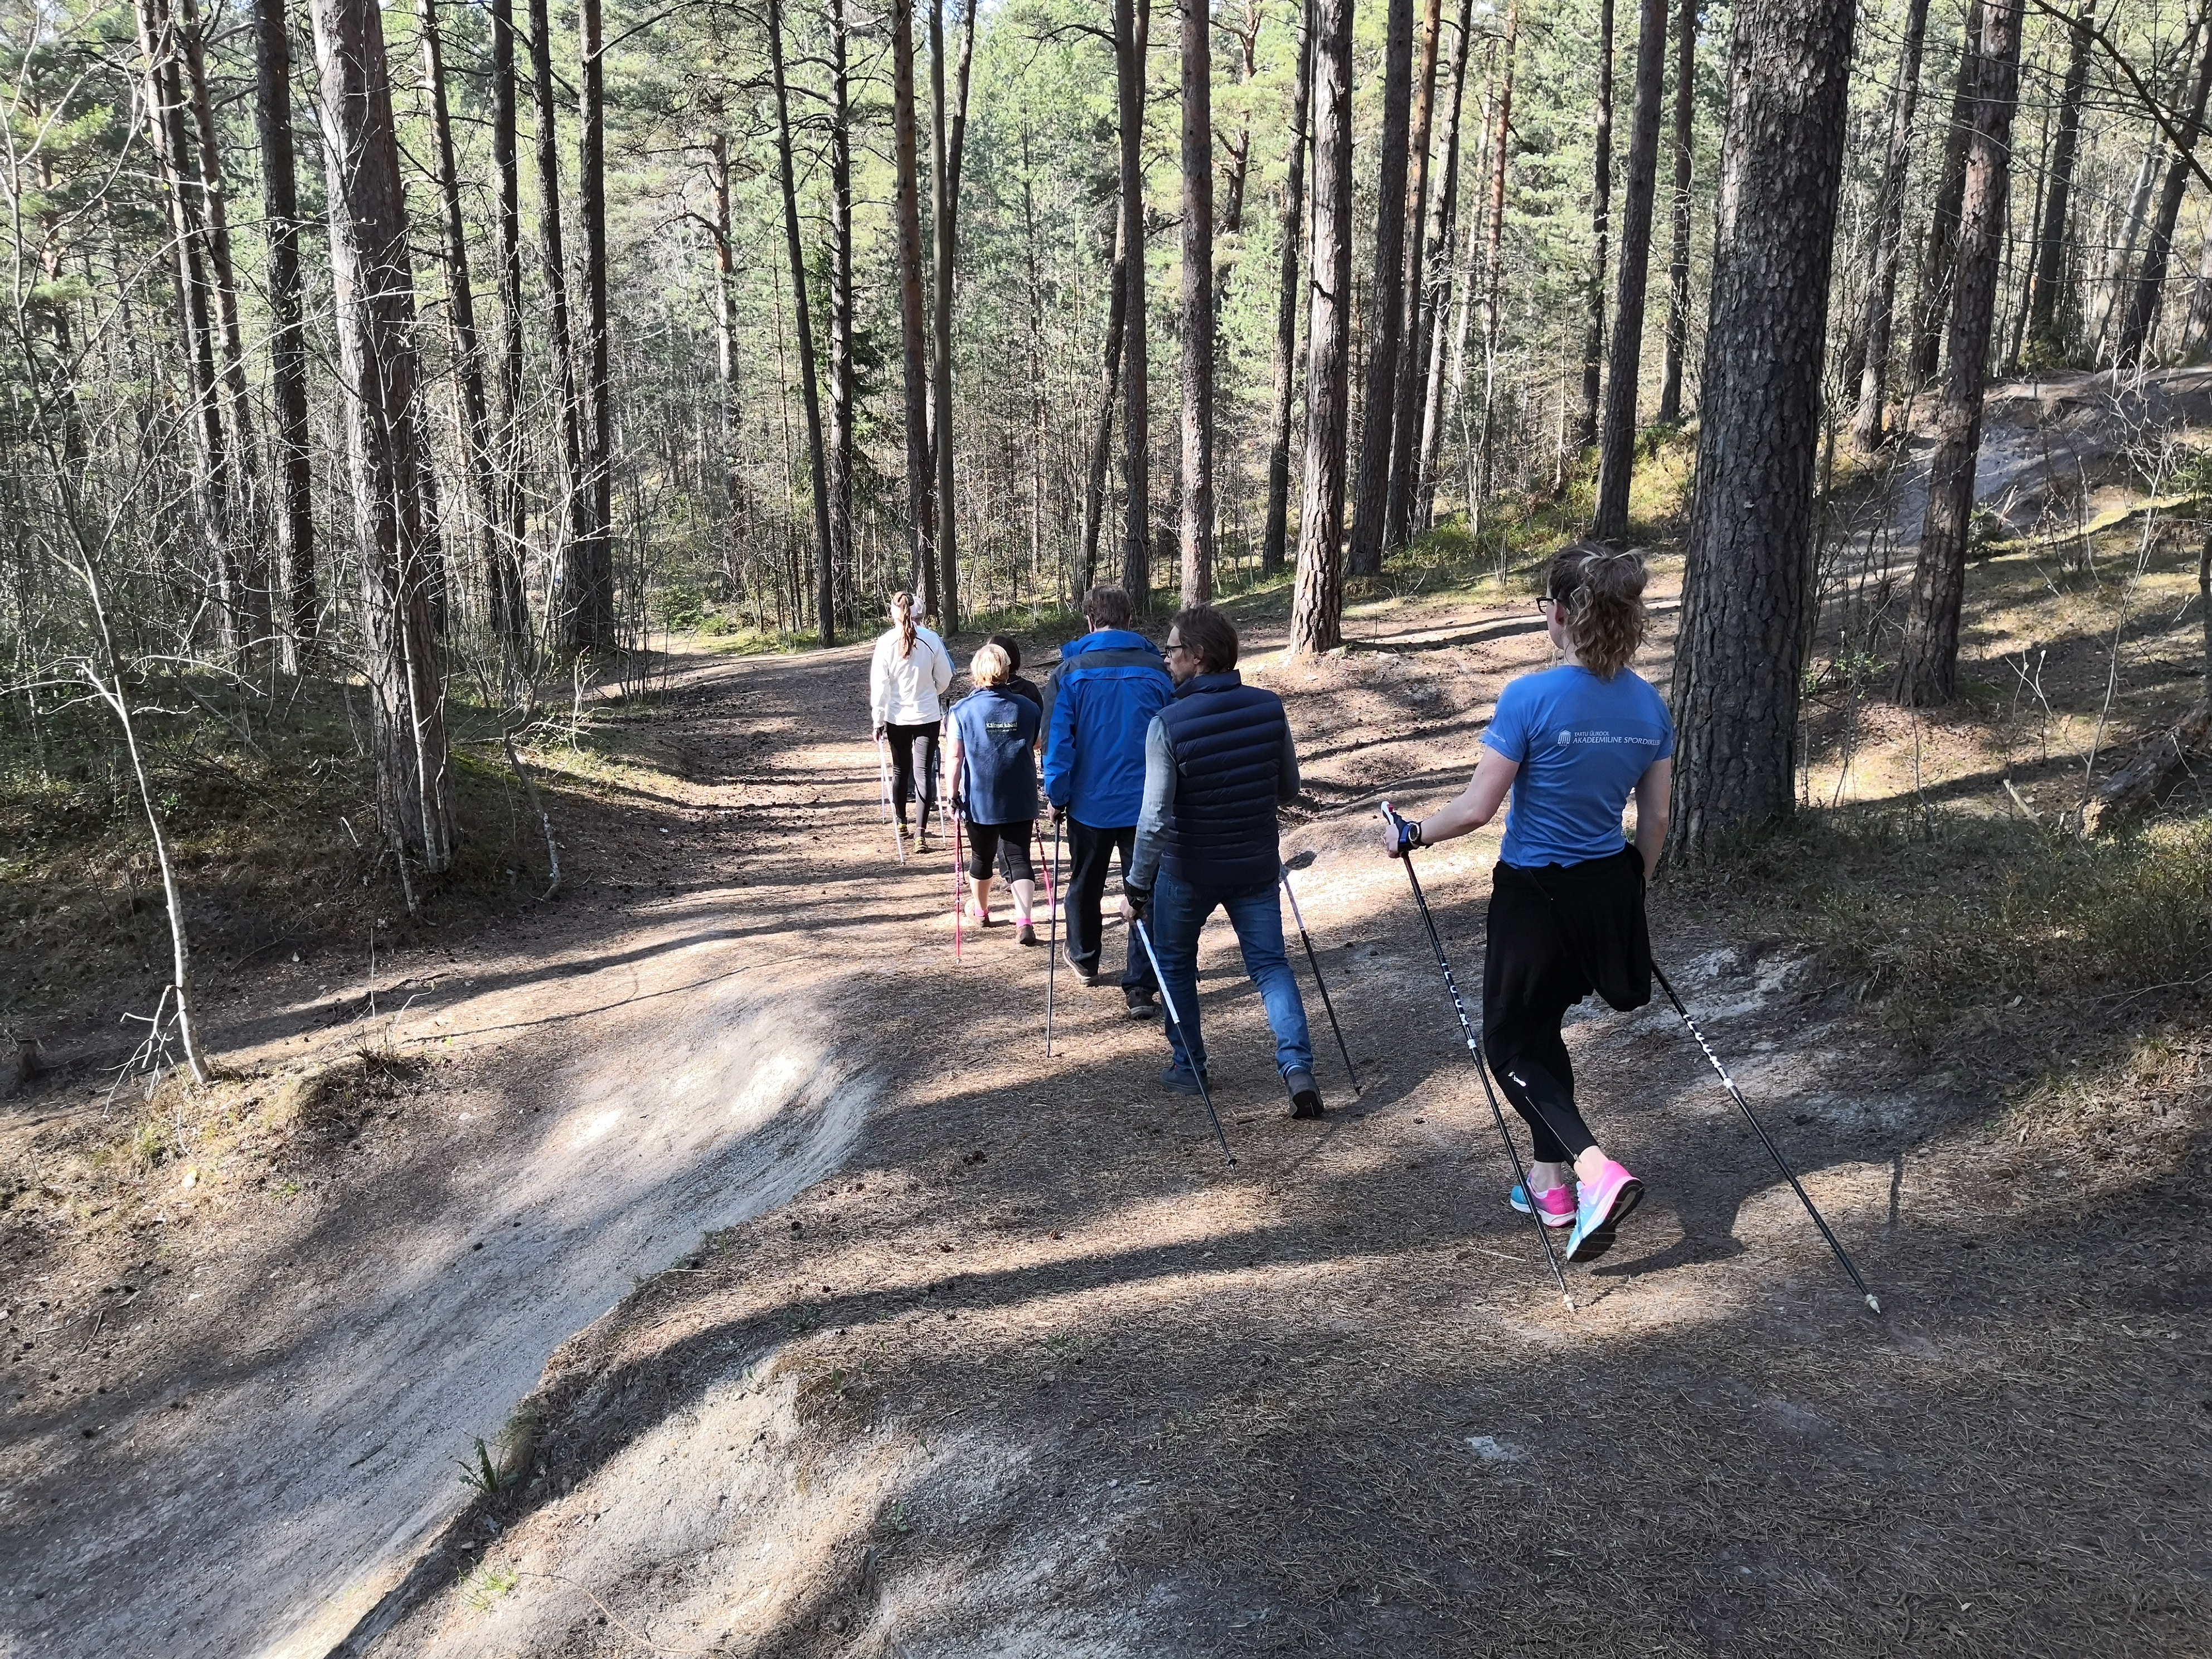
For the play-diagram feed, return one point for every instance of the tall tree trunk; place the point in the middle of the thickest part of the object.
(1600, 227)
(1197, 535)
(2045, 332)
(503, 581)
(211, 491)
(825, 591)
(507, 162)
(913, 335)
(1493, 269)
(1745, 587)
(1101, 435)
(727, 413)
(1132, 31)
(1870, 418)
(1237, 169)
(1317, 608)
(1677, 263)
(591, 562)
(946, 136)
(1275, 537)
(1939, 254)
(1379, 399)
(215, 219)
(839, 457)
(1928, 666)
(553, 262)
(1405, 419)
(373, 276)
(2121, 253)
(1040, 430)
(287, 352)
(1623, 374)
(1436, 305)
(2150, 280)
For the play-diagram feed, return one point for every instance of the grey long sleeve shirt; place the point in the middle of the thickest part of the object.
(1160, 794)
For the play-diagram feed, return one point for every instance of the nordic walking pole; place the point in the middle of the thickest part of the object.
(1474, 1048)
(884, 772)
(1196, 1070)
(959, 901)
(1772, 1150)
(1314, 962)
(1052, 962)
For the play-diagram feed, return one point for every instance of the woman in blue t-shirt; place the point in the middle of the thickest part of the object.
(994, 786)
(1572, 744)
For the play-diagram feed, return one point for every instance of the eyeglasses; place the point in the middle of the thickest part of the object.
(1173, 646)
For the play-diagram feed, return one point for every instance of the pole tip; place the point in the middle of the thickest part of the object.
(1871, 1303)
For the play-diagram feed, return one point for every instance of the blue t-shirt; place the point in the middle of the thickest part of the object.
(1582, 742)
(997, 730)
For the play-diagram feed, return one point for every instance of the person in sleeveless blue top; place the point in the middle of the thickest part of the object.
(1572, 744)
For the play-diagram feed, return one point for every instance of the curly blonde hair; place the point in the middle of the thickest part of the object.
(1602, 590)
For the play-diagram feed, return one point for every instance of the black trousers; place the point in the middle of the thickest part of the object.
(1091, 850)
(904, 738)
(1010, 841)
(1547, 928)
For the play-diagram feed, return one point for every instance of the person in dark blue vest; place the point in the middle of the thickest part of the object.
(1218, 761)
(994, 786)
(1099, 699)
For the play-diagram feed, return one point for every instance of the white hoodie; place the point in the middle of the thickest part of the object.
(904, 691)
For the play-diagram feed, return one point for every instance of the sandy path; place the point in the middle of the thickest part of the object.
(611, 1096)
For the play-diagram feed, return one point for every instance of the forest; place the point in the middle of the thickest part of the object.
(435, 363)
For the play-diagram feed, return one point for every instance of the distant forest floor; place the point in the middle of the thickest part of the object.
(921, 1343)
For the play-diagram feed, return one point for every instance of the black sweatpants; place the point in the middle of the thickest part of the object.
(903, 741)
(1547, 928)
(1091, 850)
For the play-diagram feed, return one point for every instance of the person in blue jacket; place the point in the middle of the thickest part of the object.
(1098, 706)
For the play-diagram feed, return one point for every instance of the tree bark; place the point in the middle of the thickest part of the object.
(1939, 254)
(1379, 400)
(727, 413)
(1678, 264)
(1101, 435)
(503, 581)
(1132, 28)
(946, 142)
(288, 353)
(1493, 268)
(2151, 279)
(1405, 419)
(1745, 587)
(912, 329)
(554, 263)
(1429, 351)
(1601, 228)
(374, 278)
(1928, 666)
(1623, 374)
(590, 567)
(2045, 331)
(842, 387)
(1275, 537)
(825, 594)
(215, 219)
(1868, 420)
(1317, 608)
(1197, 528)
(507, 162)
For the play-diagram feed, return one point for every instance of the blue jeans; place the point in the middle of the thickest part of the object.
(1179, 911)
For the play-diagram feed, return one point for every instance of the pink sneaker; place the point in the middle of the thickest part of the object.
(1555, 1208)
(1602, 1205)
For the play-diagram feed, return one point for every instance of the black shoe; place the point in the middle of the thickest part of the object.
(1177, 1081)
(1305, 1094)
(1087, 975)
(1141, 1004)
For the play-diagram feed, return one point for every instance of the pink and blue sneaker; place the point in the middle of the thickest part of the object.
(1555, 1208)
(1602, 1205)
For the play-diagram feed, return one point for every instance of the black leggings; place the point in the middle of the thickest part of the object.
(903, 740)
(1530, 978)
(1010, 841)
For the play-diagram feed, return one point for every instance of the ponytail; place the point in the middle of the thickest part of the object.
(902, 610)
(1602, 590)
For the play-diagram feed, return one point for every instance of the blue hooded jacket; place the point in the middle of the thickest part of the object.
(1098, 706)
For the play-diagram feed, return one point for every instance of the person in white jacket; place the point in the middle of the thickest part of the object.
(906, 687)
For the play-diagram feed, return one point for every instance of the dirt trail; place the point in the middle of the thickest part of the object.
(638, 1076)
